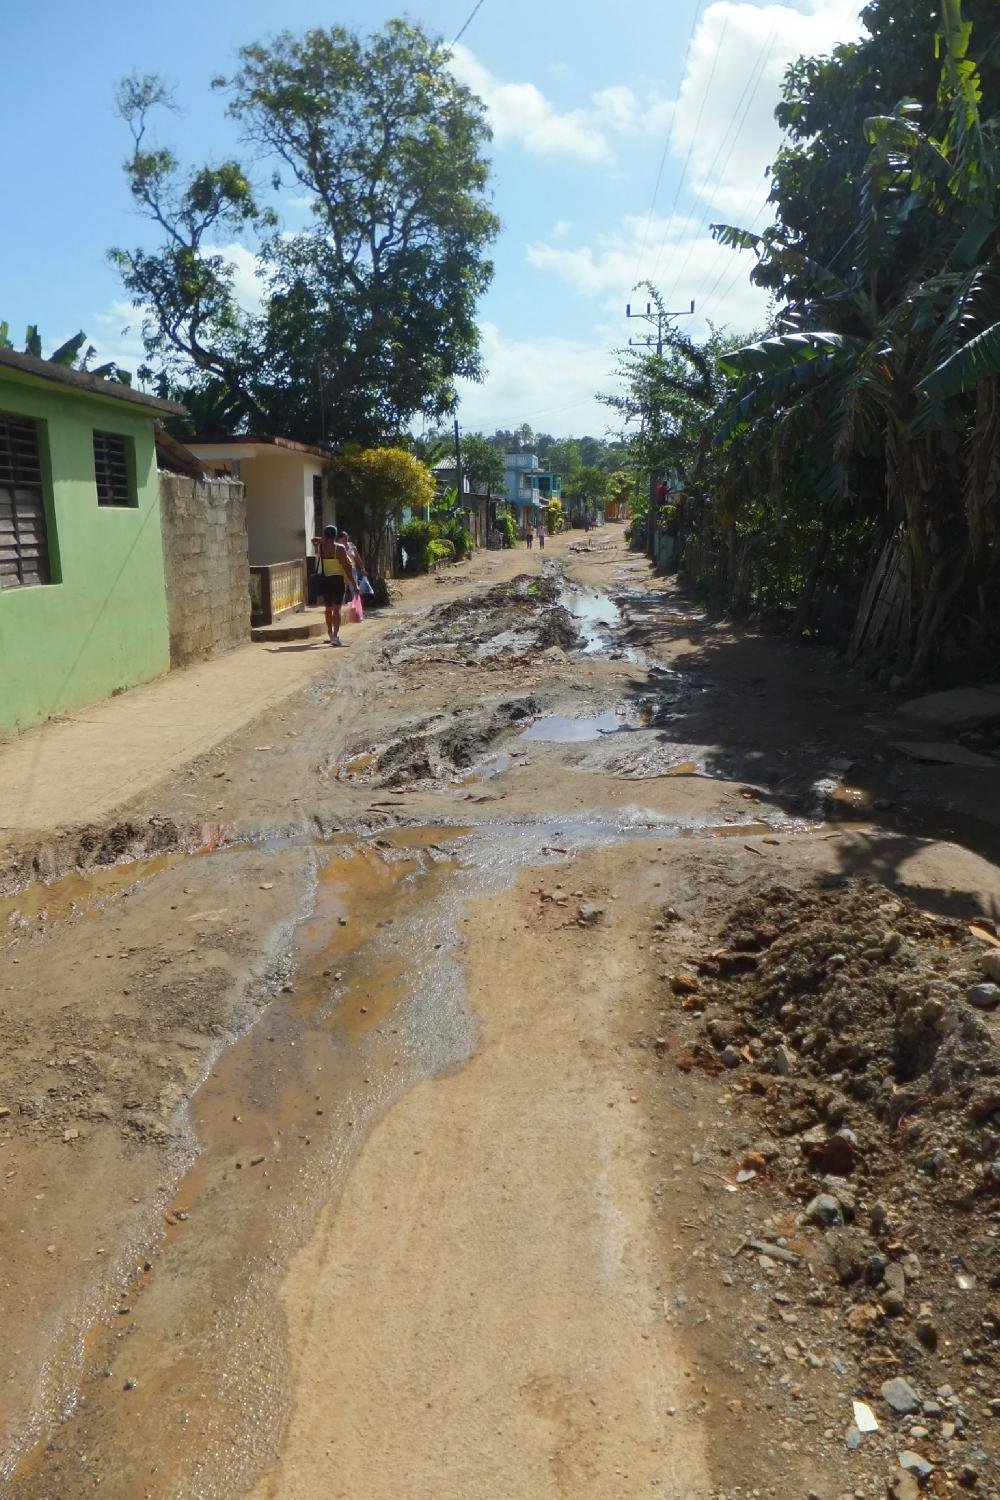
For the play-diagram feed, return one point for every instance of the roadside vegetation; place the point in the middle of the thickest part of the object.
(842, 467)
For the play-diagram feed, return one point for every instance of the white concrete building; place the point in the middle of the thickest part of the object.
(284, 490)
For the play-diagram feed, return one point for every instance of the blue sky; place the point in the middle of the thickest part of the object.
(592, 106)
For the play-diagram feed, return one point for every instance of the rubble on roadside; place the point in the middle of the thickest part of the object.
(855, 1035)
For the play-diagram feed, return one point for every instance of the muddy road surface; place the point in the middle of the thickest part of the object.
(537, 1059)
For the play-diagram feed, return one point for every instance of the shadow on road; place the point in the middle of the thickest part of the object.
(808, 740)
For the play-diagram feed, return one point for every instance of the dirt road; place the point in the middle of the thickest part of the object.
(385, 1114)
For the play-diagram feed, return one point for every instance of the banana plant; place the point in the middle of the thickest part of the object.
(67, 354)
(871, 363)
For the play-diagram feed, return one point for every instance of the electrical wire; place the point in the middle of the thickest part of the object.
(734, 278)
(852, 235)
(667, 145)
(468, 22)
(701, 296)
(749, 93)
(694, 137)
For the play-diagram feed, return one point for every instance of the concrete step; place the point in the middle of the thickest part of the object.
(291, 628)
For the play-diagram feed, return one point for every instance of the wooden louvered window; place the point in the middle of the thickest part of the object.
(24, 545)
(111, 469)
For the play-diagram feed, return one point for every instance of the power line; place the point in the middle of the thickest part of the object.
(731, 134)
(668, 142)
(741, 222)
(694, 137)
(469, 20)
(759, 69)
(739, 268)
(853, 234)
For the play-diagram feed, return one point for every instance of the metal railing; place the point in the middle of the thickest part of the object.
(277, 589)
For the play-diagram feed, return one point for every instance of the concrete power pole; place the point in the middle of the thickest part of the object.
(659, 318)
(458, 461)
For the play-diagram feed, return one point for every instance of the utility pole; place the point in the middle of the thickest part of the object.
(649, 340)
(458, 461)
(658, 318)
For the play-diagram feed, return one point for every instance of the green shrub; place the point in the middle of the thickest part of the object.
(508, 526)
(416, 537)
(440, 549)
(459, 536)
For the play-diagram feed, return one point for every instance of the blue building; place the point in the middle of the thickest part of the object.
(529, 487)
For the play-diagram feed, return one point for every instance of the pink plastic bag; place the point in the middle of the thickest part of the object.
(355, 610)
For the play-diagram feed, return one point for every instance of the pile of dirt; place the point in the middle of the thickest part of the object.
(859, 1032)
(511, 620)
(861, 987)
(438, 748)
(91, 847)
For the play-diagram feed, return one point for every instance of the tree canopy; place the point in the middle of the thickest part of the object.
(367, 316)
(483, 465)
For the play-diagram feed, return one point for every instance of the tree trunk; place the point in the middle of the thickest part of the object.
(982, 486)
(937, 601)
(803, 612)
(906, 487)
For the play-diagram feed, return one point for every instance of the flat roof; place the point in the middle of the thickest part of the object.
(82, 380)
(253, 440)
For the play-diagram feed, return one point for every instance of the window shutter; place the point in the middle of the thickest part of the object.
(24, 547)
(111, 469)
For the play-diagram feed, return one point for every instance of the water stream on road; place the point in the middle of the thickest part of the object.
(186, 1392)
(194, 1374)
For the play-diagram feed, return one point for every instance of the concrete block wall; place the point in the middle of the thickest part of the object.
(207, 566)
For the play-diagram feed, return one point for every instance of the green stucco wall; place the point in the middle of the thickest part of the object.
(103, 624)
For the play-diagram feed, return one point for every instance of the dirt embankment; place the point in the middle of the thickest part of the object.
(860, 1035)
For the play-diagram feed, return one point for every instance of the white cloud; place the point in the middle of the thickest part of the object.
(618, 107)
(521, 112)
(549, 382)
(722, 137)
(732, 81)
(248, 286)
(116, 334)
(610, 269)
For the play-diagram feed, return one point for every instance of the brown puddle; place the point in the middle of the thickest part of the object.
(79, 893)
(185, 1392)
(423, 836)
(357, 765)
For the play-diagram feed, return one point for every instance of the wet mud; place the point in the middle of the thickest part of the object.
(265, 993)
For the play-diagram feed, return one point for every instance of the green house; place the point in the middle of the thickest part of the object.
(83, 610)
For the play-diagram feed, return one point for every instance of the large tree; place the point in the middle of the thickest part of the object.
(483, 465)
(824, 106)
(368, 315)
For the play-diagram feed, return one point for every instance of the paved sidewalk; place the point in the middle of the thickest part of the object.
(79, 768)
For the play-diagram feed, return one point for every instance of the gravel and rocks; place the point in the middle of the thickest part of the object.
(846, 1025)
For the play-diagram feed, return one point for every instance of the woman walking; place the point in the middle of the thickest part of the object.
(335, 566)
